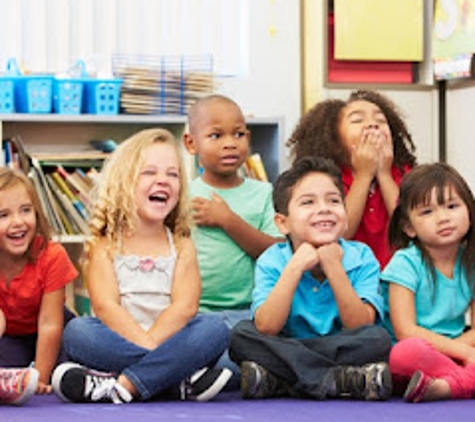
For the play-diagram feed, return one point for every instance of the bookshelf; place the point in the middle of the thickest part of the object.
(72, 133)
(53, 133)
(56, 133)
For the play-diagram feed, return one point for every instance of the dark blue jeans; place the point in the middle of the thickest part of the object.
(308, 364)
(91, 343)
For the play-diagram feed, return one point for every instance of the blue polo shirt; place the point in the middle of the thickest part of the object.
(314, 310)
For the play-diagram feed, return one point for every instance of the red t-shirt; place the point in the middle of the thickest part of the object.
(373, 228)
(21, 300)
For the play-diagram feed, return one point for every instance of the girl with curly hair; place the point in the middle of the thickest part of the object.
(142, 275)
(367, 137)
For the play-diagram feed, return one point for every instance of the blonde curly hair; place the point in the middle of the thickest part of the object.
(114, 211)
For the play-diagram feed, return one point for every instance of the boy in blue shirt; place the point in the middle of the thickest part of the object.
(234, 216)
(315, 302)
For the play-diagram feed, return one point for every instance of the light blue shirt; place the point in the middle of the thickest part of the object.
(314, 310)
(440, 304)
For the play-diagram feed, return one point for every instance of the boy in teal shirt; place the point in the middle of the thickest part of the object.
(316, 300)
(234, 216)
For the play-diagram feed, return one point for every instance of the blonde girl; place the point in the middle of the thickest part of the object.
(144, 284)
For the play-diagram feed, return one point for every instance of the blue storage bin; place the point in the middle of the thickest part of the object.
(34, 94)
(102, 96)
(7, 94)
(68, 95)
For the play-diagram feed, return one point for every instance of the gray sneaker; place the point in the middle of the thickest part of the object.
(258, 383)
(368, 382)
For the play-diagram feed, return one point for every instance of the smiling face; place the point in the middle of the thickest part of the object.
(158, 185)
(17, 221)
(438, 224)
(316, 212)
(220, 138)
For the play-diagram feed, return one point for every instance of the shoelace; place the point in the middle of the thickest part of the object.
(99, 388)
(11, 382)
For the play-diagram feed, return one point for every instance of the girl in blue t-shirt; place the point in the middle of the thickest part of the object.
(429, 285)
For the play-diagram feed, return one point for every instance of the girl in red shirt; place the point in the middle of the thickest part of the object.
(366, 136)
(33, 274)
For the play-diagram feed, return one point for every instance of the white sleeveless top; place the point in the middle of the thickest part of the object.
(145, 284)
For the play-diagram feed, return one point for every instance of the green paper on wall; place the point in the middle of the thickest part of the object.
(379, 30)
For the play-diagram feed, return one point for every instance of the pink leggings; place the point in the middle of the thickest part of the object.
(415, 354)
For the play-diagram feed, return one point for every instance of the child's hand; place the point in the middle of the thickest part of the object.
(330, 255)
(210, 212)
(43, 388)
(305, 257)
(365, 154)
(386, 153)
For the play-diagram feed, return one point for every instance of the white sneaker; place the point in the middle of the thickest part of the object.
(78, 384)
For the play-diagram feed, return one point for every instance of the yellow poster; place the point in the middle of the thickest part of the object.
(379, 30)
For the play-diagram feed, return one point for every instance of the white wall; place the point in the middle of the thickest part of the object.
(461, 131)
(272, 87)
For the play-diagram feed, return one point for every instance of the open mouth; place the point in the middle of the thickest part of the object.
(159, 197)
(17, 236)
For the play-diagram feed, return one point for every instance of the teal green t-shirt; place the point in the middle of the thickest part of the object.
(227, 272)
(440, 304)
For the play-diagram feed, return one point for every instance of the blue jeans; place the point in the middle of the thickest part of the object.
(91, 343)
(231, 318)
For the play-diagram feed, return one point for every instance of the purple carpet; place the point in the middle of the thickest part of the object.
(228, 407)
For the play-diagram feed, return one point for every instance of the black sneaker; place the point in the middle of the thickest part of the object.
(367, 382)
(258, 383)
(204, 384)
(78, 384)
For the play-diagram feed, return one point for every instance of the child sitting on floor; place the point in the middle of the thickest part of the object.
(315, 301)
(144, 284)
(34, 271)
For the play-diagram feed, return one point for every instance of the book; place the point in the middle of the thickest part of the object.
(76, 187)
(71, 196)
(49, 200)
(255, 167)
(75, 218)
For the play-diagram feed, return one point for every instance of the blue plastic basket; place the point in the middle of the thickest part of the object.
(7, 94)
(34, 94)
(102, 96)
(67, 95)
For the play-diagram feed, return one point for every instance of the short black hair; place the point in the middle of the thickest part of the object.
(285, 183)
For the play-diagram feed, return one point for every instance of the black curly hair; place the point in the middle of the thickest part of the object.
(316, 134)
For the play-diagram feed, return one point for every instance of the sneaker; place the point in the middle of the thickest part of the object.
(75, 383)
(17, 385)
(367, 382)
(417, 387)
(204, 384)
(258, 383)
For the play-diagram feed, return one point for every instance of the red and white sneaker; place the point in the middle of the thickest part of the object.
(17, 385)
